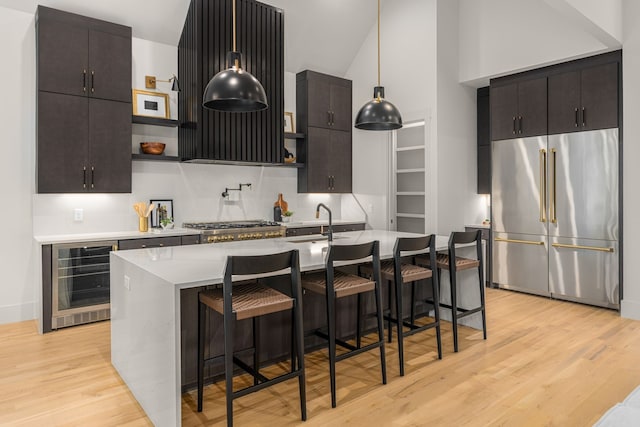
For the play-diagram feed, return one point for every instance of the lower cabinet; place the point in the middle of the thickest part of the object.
(340, 228)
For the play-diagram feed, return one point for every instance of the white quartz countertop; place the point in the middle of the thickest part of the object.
(197, 265)
(487, 226)
(113, 235)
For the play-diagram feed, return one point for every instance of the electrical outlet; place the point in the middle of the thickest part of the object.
(127, 283)
(78, 214)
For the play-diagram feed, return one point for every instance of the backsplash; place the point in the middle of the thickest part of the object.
(196, 193)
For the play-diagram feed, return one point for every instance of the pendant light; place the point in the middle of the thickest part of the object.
(378, 114)
(234, 89)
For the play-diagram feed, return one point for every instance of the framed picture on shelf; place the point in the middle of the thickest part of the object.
(162, 211)
(288, 122)
(151, 104)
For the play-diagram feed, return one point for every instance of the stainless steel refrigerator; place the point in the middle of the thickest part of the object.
(555, 216)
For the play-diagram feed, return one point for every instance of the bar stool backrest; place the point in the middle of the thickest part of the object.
(352, 253)
(464, 238)
(262, 264)
(406, 244)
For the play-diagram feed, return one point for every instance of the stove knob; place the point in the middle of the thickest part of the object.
(232, 238)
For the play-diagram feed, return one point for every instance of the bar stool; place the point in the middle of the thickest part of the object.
(249, 300)
(398, 272)
(443, 261)
(335, 284)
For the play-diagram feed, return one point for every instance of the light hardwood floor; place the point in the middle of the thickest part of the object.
(545, 363)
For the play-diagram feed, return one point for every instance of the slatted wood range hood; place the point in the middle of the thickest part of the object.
(208, 136)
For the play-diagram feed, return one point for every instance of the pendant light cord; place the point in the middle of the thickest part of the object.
(234, 26)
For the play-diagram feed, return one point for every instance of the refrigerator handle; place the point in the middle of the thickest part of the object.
(542, 193)
(552, 188)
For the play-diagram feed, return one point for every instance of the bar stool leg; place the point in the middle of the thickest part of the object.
(331, 323)
(454, 308)
(256, 348)
(390, 310)
(201, 338)
(383, 363)
(399, 317)
(299, 339)
(359, 321)
(484, 315)
(436, 313)
(413, 299)
(228, 365)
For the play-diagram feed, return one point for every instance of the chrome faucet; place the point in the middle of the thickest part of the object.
(329, 233)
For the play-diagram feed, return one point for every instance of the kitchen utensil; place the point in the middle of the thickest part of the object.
(284, 206)
(149, 209)
(152, 147)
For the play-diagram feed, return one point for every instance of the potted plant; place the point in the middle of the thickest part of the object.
(286, 216)
(166, 223)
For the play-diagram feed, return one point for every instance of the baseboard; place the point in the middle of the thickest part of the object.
(630, 309)
(16, 313)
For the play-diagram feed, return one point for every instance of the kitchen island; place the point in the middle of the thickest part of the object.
(146, 307)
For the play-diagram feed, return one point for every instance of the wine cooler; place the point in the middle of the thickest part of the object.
(80, 283)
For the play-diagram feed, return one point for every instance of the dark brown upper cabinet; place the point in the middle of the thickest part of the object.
(83, 57)
(328, 103)
(210, 136)
(483, 141)
(326, 149)
(518, 109)
(584, 99)
(83, 135)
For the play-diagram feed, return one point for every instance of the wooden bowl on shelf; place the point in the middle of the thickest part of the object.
(152, 147)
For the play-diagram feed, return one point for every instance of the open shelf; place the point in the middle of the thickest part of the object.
(142, 120)
(409, 215)
(410, 170)
(412, 148)
(289, 135)
(155, 157)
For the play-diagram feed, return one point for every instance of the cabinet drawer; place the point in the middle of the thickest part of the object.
(302, 231)
(153, 242)
(486, 233)
(190, 240)
(348, 227)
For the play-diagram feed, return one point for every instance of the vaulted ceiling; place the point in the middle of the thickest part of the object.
(323, 35)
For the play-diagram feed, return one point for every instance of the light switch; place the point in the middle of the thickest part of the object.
(78, 214)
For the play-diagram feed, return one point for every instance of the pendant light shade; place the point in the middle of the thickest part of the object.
(234, 89)
(378, 114)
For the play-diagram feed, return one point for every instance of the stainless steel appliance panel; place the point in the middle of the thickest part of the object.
(520, 262)
(584, 270)
(583, 184)
(518, 185)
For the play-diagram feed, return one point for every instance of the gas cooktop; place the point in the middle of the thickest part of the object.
(229, 225)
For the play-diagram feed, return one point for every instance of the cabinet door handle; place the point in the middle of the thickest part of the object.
(92, 79)
(584, 120)
(84, 80)
(542, 191)
(161, 244)
(514, 124)
(328, 118)
(520, 124)
(333, 118)
(84, 177)
(576, 117)
(92, 175)
(329, 182)
(143, 246)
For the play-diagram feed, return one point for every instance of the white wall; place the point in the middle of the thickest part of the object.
(499, 37)
(458, 201)
(17, 138)
(631, 156)
(420, 73)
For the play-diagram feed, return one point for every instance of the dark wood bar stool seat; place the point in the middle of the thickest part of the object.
(443, 262)
(398, 273)
(250, 300)
(335, 284)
